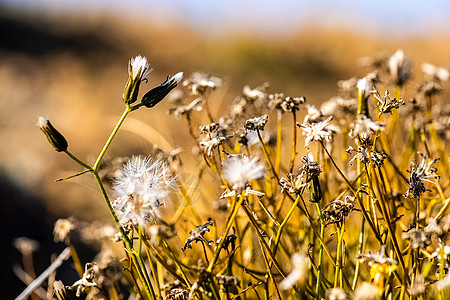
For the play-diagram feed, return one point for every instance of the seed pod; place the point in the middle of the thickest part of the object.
(55, 138)
(314, 189)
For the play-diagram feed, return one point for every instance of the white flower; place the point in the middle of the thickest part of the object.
(400, 67)
(200, 83)
(433, 72)
(364, 86)
(141, 189)
(239, 170)
(365, 127)
(316, 131)
(62, 229)
(138, 68)
(299, 273)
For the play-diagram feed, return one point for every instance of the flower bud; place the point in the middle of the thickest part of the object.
(138, 69)
(55, 138)
(314, 189)
(155, 95)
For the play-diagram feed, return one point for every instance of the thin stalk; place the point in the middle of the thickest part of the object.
(141, 262)
(319, 266)
(128, 109)
(278, 151)
(227, 229)
(266, 155)
(294, 142)
(73, 157)
(76, 261)
(269, 270)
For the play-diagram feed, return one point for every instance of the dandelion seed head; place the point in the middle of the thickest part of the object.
(239, 170)
(316, 131)
(141, 189)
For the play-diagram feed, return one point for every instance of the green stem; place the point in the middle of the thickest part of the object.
(294, 142)
(73, 157)
(111, 137)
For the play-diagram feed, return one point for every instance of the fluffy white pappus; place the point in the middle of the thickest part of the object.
(239, 170)
(139, 68)
(141, 189)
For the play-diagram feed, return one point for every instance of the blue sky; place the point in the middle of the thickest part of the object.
(392, 18)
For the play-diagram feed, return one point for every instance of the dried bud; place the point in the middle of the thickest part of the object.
(55, 138)
(155, 95)
(314, 189)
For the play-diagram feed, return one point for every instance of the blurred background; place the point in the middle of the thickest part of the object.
(67, 61)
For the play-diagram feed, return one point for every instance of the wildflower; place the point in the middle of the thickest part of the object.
(366, 291)
(337, 294)
(197, 235)
(316, 131)
(299, 273)
(256, 94)
(361, 153)
(386, 104)
(257, 123)
(55, 138)
(25, 245)
(400, 68)
(240, 169)
(155, 95)
(138, 69)
(195, 105)
(335, 211)
(62, 229)
(285, 104)
(141, 190)
(364, 128)
(435, 73)
(420, 173)
(200, 83)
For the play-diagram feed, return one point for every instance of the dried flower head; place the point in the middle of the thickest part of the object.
(257, 123)
(178, 112)
(362, 154)
(400, 68)
(200, 83)
(285, 104)
(385, 103)
(62, 229)
(435, 73)
(428, 89)
(340, 108)
(310, 168)
(177, 294)
(316, 131)
(209, 145)
(25, 245)
(364, 128)
(240, 169)
(335, 211)
(87, 280)
(256, 94)
(419, 174)
(197, 235)
(313, 115)
(141, 190)
(299, 273)
(377, 258)
(293, 184)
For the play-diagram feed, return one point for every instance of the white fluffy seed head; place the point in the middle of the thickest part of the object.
(139, 67)
(239, 170)
(142, 189)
